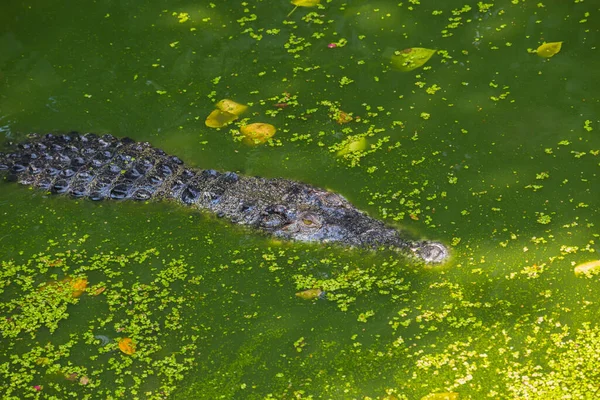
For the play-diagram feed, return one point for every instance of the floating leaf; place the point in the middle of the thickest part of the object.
(303, 3)
(547, 50)
(219, 118)
(127, 346)
(409, 59)
(75, 286)
(342, 117)
(588, 268)
(78, 286)
(71, 376)
(98, 290)
(310, 294)
(353, 146)
(441, 396)
(232, 107)
(258, 132)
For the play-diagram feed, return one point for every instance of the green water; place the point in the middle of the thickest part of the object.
(487, 147)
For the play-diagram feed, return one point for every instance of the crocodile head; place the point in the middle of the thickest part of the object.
(317, 215)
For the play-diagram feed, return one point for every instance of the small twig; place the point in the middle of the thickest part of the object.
(291, 12)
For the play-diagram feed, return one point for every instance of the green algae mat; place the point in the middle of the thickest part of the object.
(467, 122)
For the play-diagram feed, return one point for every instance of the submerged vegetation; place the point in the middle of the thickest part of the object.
(443, 120)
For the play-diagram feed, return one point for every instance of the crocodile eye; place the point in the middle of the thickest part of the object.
(309, 221)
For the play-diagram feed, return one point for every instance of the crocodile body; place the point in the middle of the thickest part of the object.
(105, 167)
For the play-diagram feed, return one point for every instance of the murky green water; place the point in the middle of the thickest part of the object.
(487, 147)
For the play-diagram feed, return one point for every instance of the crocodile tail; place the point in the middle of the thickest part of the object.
(92, 166)
(3, 162)
(105, 167)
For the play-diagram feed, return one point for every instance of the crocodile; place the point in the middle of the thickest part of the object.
(100, 167)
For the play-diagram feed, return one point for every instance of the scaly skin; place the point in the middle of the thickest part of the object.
(109, 168)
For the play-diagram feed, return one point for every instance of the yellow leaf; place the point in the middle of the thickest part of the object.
(353, 146)
(75, 286)
(588, 268)
(99, 290)
(547, 50)
(303, 3)
(232, 107)
(258, 132)
(310, 294)
(78, 286)
(219, 118)
(342, 117)
(409, 59)
(127, 346)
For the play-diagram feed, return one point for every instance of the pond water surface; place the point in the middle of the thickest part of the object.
(487, 147)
